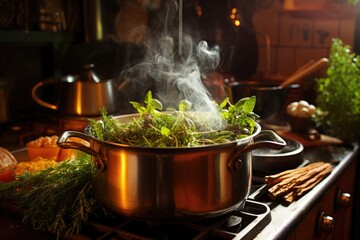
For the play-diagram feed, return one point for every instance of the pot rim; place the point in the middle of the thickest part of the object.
(200, 147)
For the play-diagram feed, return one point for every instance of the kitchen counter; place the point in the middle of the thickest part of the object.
(285, 219)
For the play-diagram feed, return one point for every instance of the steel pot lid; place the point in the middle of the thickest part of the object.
(292, 147)
(270, 161)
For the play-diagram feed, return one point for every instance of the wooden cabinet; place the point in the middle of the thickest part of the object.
(329, 9)
(331, 217)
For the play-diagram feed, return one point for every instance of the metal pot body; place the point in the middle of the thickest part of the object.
(170, 184)
(79, 98)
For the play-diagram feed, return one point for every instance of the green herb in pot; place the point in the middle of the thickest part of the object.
(179, 127)
(338, 94)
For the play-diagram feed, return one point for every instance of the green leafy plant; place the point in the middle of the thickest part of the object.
(178, 127)
(352, 2)
(58, 200)
(338, 94)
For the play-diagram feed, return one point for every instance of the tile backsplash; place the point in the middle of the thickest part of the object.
(301, 34)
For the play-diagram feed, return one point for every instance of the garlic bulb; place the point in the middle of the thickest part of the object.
(301, 109)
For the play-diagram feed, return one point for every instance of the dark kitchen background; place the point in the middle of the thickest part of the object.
(259, 39)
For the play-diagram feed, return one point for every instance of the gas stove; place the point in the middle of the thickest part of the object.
(246, 223)
(241, 224)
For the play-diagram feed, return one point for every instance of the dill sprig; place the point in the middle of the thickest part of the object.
(59, 199)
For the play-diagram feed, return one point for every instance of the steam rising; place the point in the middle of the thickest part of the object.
(176, 71)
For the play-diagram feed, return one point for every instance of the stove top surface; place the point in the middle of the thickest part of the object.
(241, 224)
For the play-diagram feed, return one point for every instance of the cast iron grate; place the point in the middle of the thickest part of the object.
(244, 224)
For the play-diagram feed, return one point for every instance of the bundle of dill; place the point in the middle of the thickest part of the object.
(59, 199)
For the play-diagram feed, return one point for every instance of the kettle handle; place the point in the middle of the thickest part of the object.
(37, 99)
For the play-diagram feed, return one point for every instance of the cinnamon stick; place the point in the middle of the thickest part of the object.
(282, 187)
(292, 184)
(302, 189)
(274, 179)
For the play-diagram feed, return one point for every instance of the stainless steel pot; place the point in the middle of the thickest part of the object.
(80, 95)
(168, 184)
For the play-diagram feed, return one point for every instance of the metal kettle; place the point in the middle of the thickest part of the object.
(80, 95)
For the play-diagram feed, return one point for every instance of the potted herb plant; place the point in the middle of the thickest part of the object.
(338, 94)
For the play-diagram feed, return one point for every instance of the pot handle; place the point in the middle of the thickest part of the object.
(63, 143)
(265, 139)
(37, 99)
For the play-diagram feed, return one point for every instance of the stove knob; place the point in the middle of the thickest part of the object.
(343, 199)
(325, 224)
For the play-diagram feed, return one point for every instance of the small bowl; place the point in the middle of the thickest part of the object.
(44, 147)
(50, 152)
(301, 125)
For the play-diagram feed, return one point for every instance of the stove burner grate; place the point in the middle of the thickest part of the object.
(243, 224)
